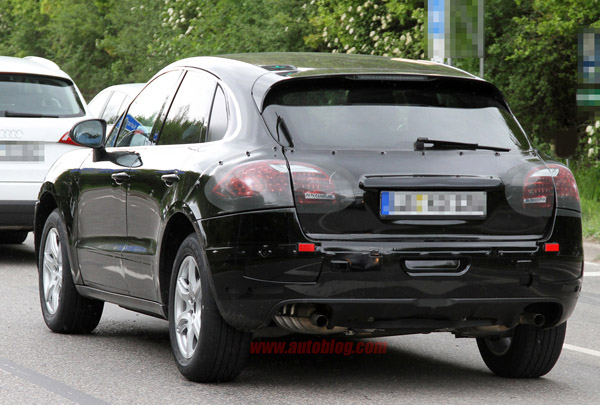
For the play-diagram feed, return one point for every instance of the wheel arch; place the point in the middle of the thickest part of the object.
(48, 201)
(179, 226)
(45, 205)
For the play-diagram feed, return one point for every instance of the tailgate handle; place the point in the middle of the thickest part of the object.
(436, 267)
(421, 183)
(432, 264)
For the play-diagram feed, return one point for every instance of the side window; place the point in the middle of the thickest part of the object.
(113, 107)
(97, 104)
(110, 140)
(187, 120)
(219, 117)
(138, 124)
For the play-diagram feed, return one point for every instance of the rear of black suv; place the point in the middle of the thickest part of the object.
(405, 204)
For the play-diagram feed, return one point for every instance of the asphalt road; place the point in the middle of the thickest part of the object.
(128, 360)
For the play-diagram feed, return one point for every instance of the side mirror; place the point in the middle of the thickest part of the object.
(90, 133)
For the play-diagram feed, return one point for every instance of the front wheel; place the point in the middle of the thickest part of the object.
(64, 310)
(206, 348)
(528, 352)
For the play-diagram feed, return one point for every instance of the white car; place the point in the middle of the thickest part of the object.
(110, 103)
(39, 103)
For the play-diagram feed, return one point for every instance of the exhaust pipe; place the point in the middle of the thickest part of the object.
(319, 320)
(528, 318)
(303, 318)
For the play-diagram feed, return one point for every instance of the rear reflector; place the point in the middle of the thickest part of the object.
(552, 247)
(306, 247)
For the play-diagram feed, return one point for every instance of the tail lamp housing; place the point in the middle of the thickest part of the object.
(253, 185)
(542, 183)
(274, 183)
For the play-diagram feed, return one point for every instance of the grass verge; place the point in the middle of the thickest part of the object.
(588, 182)
(590, 216)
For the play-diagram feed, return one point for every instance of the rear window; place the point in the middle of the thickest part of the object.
(30, 95)
(390, 112)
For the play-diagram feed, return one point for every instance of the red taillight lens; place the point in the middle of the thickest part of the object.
(266, 181)
(312, 185)
(67, 139)
(538, 191)
(539, 188)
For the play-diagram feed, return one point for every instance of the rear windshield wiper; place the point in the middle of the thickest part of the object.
(441, 144)
(284, 129)
(25, 115)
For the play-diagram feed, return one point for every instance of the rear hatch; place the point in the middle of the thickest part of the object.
(361, 168)
(35, 114)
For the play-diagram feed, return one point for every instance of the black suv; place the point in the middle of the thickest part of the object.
(319, 194)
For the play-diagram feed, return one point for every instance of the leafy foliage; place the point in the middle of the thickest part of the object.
(376, 27)
(531, 45)
(532, 57)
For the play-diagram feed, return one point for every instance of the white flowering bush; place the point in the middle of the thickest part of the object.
(377, 27)
(591, 143)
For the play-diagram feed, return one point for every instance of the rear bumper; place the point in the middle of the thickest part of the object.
(367, 285)
(15, 191)
(17, 215)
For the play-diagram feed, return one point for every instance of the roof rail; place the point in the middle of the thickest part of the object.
(43, 61)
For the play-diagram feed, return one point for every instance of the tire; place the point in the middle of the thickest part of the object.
(64, 310)
(530, 352)
(13, 237)
(205, 347)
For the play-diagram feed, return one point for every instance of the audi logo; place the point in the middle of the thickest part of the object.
(11, 133)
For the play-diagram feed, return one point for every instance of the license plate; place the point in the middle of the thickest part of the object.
(472, 204)
(21, 152)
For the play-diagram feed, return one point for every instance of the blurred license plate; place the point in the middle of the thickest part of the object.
(21, 152)
(470, 204)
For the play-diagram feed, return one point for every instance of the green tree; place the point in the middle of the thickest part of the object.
(132, 31)
(70, 37)
(22, 26)
(376, 27)
(532, 57)
(209, 27)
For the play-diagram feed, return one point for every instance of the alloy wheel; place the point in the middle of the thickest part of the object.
(52, 271)
(188, 307)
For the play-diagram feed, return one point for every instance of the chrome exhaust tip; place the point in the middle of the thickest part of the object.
(529, 318)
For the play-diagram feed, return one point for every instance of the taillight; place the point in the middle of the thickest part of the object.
(67, 139)
(266, 183)
(259, 184)
(540, 186)
(312, 185)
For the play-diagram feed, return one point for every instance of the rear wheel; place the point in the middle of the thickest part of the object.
(529, 352)
(13, 237)
(64, 310)
(206, 348)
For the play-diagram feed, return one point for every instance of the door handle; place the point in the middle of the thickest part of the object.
(170, 179)
(120, 177)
